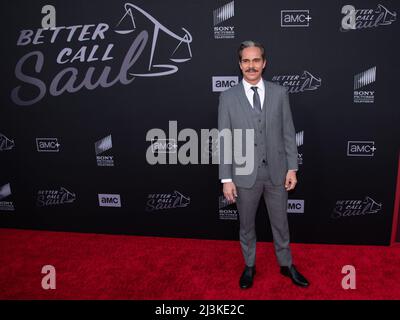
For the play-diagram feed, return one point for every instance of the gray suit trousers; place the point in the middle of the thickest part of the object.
(275, 197)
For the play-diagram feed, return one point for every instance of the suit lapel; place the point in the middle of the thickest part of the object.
(267, 104)
(245, 105)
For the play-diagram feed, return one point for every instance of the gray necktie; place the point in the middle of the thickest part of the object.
(256, 100)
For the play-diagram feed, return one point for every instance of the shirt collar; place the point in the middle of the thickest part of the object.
(259, 85)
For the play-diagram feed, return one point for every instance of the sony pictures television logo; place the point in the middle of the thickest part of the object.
(47, 145)
(110, 200)
(222, 83)
(227, 209)
(361, 80)
(299, 143)
(295, 18)
(361, 148)
(5, 192)
(101, 146)
(222, 14)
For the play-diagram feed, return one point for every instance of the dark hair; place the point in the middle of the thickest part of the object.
(248, 44)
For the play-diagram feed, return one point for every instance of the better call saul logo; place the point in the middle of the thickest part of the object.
(356, 19)
(86, 55)
(354, 208)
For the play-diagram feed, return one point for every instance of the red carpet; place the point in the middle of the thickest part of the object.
(91, 266)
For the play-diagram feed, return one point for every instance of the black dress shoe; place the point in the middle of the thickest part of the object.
(297, 278)
(246, 279)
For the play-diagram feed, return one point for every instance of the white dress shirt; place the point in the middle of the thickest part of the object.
(250, 92)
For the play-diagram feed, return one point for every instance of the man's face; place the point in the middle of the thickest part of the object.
(252, 64)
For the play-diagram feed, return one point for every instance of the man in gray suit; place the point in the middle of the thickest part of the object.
(263, 107)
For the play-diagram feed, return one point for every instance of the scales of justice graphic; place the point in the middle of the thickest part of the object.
(185, 39)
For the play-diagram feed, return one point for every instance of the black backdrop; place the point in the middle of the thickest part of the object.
(51, 176)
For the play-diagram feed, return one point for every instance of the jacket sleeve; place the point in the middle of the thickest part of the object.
(225, 139)
(289, 134)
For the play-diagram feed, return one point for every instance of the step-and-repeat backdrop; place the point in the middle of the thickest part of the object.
(107, 108)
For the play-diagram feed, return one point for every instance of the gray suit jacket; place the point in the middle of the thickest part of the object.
(235, 112)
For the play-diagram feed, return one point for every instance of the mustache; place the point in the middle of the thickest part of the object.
(251, 70)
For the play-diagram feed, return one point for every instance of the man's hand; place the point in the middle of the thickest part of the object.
(229, 190)
(291, 180)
